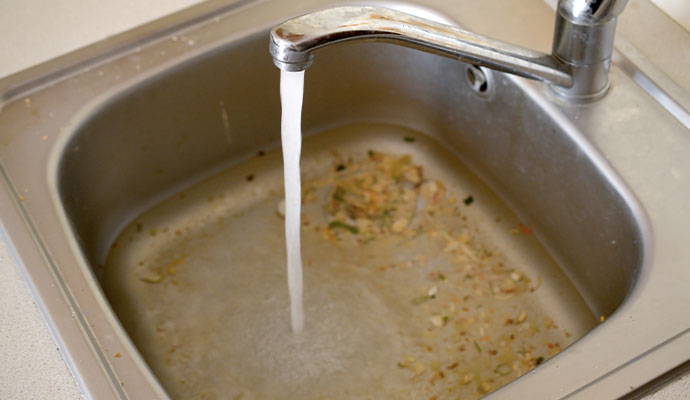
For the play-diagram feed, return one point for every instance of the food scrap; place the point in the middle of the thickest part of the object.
(475, 300)
(469, 323)
(521, 229)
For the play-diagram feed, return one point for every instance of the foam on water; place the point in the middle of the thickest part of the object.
(291, 91)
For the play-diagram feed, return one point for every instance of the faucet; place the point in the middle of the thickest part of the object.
(576, 70)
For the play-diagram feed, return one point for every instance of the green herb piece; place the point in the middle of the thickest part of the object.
(370, 153)
(401, 365)
(476, 346)
(441, 277)
(140, 227)
(445, 319)
(340, 167)
(337, 224)
(421, 299)
(468, 200)
(540, 360)
(409, 139)
(339, 193)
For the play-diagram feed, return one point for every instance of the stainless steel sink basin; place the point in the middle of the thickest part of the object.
(90, 144)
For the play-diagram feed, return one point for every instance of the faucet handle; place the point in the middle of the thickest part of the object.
(591, 11)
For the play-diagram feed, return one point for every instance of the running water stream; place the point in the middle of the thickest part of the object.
(291, 91)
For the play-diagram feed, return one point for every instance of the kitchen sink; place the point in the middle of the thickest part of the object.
(109, 154)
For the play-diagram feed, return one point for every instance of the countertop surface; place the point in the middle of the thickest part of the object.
(34, 31)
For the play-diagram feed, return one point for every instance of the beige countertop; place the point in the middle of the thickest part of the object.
(33, 31)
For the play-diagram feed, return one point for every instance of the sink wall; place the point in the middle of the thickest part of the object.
(160, 136)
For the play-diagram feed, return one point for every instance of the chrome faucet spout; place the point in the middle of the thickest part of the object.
(573, 70)
(294, 42)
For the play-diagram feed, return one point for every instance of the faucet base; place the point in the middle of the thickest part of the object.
(591, 83)
(585, 46)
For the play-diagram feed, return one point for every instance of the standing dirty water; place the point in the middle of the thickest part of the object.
(291, 91)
